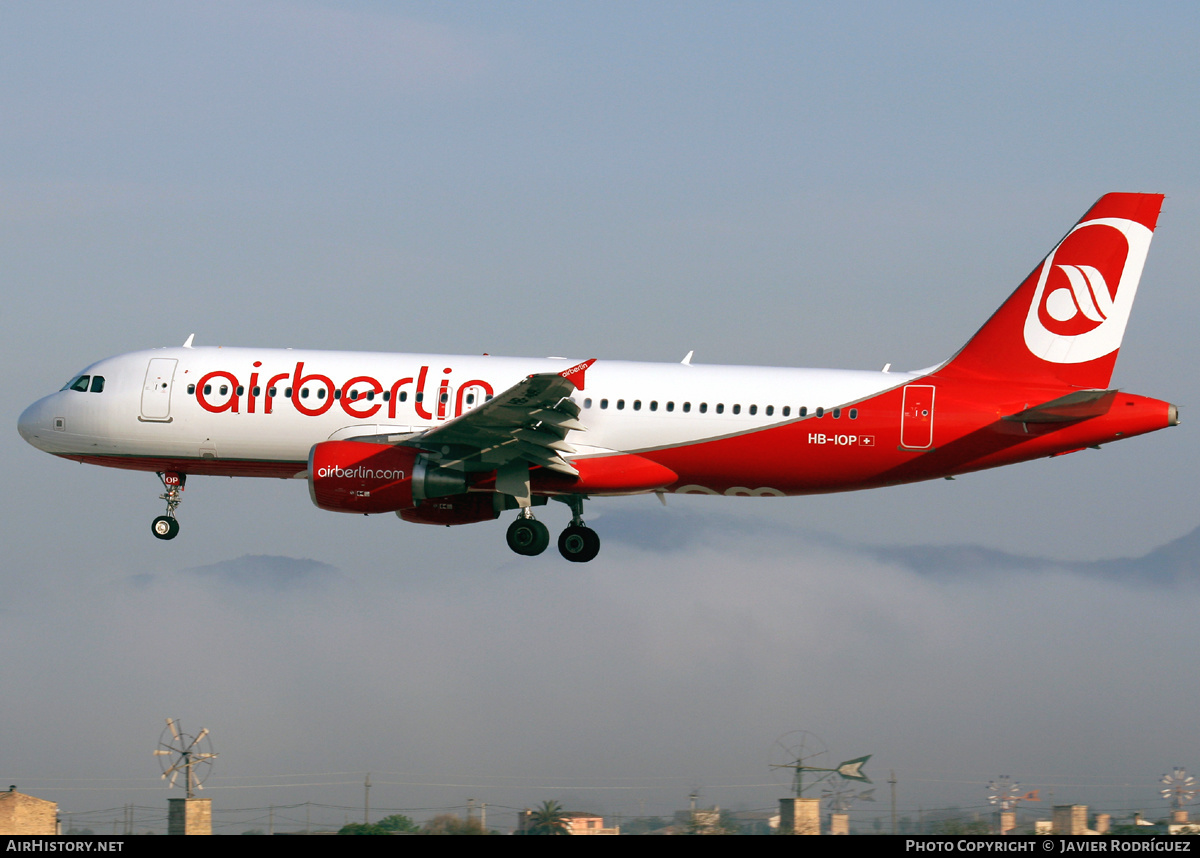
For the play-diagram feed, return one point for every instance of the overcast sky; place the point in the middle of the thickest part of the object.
(776, 184)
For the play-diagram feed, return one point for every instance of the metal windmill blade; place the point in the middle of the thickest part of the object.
(1180, 788)
(191, 755)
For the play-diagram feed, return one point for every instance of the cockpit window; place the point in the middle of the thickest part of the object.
(97, 384)
(80, 384)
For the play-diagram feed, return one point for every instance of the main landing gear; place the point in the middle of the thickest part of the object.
(527, 535)
(577, 543)
(167, 526)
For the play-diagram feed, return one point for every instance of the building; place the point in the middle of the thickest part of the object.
(24, 814)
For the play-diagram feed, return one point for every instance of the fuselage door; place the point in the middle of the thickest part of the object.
(916, 419)
(156, 391)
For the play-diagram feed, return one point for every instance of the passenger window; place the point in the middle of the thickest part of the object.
(404, 396)
(257, 391)
(853, 413)
(240, 390)
(737, 409)
(670, 406)
(803, 410)
(653, 404)
(337, 394)
(370, 396)
(420, 397)
(687, 406)
(604, 403)
(224, 389)
(720, 407)
(387, 396)
(703, 407)
(787, 411)
(97, 384)
(271, 392)
(81, 383)
(820, 411)
(753, 409)
(191, 389)
(207, 389)
(837, 412)
(620, 404)
(321, 393)
(770, 410)
(287, 392)
(304, 393)
(637, 405)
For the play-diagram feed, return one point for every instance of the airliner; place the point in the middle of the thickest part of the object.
(451, 440)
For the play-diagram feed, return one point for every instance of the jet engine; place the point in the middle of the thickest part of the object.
(362, 477)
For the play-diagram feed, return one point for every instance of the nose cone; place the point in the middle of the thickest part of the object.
(35, 424)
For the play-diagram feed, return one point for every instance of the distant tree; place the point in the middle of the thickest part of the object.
(959, 826)
(712, 822)
(448, 823)
(1138, 830)
(361, 828)
(644, 825)
(398, 822)
(550, 818)
(729, 823)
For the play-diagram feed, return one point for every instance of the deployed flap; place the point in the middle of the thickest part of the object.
(1074, 406)
(528, 422)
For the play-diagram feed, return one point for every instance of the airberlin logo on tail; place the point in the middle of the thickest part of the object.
(1085, 290)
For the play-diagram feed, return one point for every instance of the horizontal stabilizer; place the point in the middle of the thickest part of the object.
(1066, 409)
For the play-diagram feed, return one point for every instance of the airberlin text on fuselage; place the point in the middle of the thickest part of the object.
(257, 394)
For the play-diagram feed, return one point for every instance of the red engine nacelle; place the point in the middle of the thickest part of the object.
(354, 476)
(460, 509)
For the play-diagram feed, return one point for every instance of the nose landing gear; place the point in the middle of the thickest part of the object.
(167, 526)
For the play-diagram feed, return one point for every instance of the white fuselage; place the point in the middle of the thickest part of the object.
(257, 406)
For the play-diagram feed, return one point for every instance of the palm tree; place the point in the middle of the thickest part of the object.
(550, 818)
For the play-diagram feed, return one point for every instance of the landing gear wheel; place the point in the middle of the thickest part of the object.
(165, 527)
(579, 543)
(528, 536)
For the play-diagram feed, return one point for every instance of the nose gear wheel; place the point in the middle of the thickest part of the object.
(167, 526)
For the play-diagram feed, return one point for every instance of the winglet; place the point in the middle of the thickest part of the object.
(575, 373)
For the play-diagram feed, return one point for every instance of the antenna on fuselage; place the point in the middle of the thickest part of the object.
(687, 358)
(187, 344)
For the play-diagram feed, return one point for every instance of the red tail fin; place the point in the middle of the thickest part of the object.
(1063, 326)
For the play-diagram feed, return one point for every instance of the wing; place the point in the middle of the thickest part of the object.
(528, 423)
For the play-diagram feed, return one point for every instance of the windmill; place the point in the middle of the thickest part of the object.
(179, 752)
(840, 796)
(1005, 792)
(1180, 788)
(802, 751)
